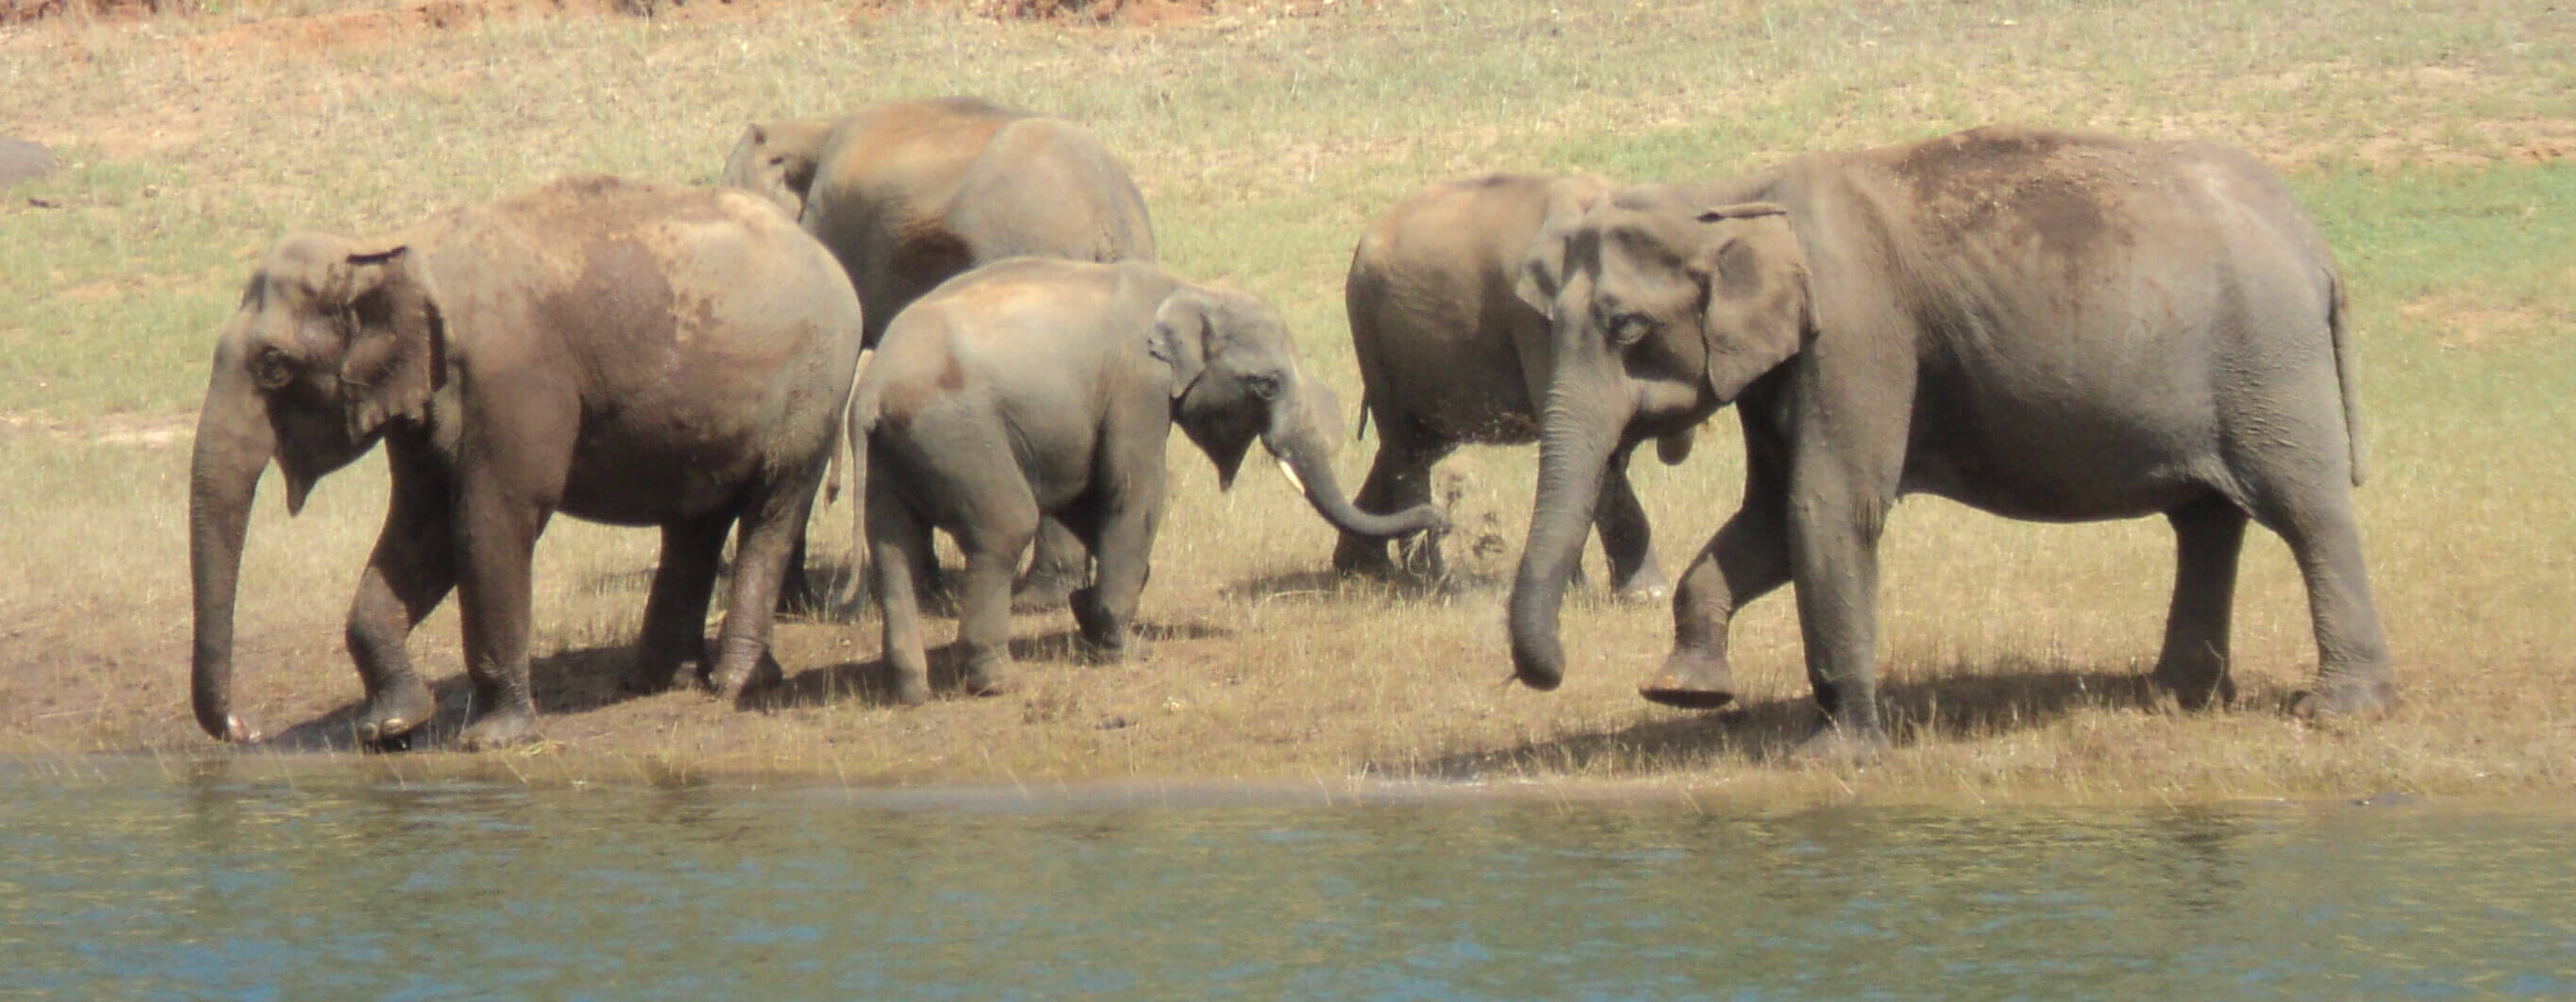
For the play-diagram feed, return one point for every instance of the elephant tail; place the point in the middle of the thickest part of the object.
(2340, 331)
(856, 422)
(833, 468)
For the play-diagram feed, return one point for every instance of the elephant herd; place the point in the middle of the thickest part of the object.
(2041, 324)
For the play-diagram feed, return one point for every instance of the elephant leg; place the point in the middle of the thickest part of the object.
(772, 524)
(675, 611)
(797, 593)
(1838, 504)
(1059, 566)
(2208, 536)
(497, 534)
(1399, 478)
(1626, 544)
(1745, 560)
(1106, 611)
(410, 571)
(2353, 673)
(898, 552)
(992, 548)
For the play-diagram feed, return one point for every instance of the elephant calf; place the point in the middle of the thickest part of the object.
(909, 194)
(621, 351)
(1042, 388)
(1449, 355)
(2041, 324)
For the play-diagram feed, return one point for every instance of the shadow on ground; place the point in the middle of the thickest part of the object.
(563, 683)
(871, 682)
(1955, 701)
(1327, 586)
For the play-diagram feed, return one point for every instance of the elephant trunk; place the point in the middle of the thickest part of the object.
(234, 443)
(1580, 433)
(1305, 454)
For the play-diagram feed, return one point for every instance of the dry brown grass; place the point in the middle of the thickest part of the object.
(2428, 138)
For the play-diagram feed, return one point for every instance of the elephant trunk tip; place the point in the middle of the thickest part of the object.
(229, 728)
(1421, 518)
(1538, 663)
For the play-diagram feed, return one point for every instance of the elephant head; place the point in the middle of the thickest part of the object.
(1662, 310)
(332, 341)
(776, 160)
(1234, 379)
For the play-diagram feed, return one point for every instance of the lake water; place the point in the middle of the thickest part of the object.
(193, 881)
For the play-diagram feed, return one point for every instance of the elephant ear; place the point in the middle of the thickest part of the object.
(1754, 272)
(1193, 327)
(1543, 265)
(776, 160)
(1180, 337)
(394, 335)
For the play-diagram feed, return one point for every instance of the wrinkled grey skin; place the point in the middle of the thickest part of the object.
(618, 351)
(1449, 354)
(1038, 387)
(911, 193)
(2042, 325)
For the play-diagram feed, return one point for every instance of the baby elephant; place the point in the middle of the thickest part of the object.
(1037, 388)
(630, 353)
(1448, 355)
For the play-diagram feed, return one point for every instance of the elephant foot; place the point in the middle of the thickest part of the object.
(395, 712)
(2345, 698)
(1365, 559)
(649, 674)
(1643, 583)
(912, 690)
(986, 678)
(499, 729)
(1690, 680)
(1841, 745)
(1042, 593)
(743, 677)
(1122, 647)
(2196, 686)
(1644, 589)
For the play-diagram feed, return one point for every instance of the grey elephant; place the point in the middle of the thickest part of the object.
(910, 193)
(1037, 387)
(2040, 324)
(619, 351)
(1450, 355)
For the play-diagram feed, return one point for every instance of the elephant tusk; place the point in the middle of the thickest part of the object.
(1290, 471)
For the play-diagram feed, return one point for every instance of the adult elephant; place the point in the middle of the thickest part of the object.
(2041, 324)
(1449, 355)
(1039, 388)
(619, 351)
(911, 193)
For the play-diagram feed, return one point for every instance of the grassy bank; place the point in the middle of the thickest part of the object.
(2429, 140)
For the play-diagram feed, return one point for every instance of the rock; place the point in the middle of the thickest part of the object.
(21, 160)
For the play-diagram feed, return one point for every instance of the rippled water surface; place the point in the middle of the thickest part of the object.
(158, 885)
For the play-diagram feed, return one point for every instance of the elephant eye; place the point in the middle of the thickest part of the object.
(1628, 328)
(272, 368)
(1262, 384)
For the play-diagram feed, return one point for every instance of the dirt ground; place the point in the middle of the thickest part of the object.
(379, 18)
(1263, 665)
